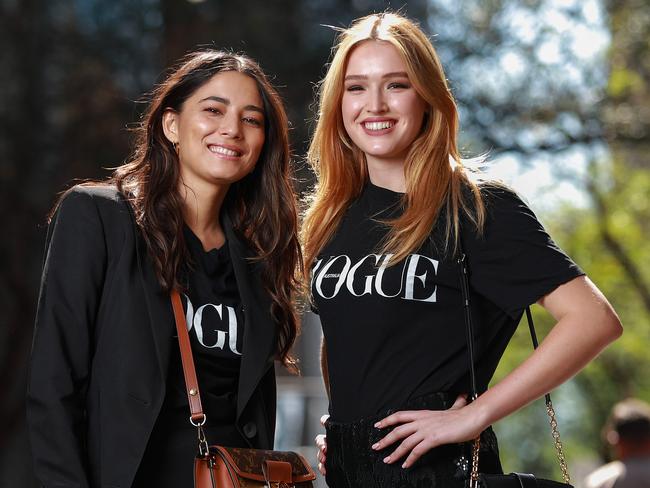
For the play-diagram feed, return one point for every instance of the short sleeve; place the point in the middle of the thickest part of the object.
(514, 262)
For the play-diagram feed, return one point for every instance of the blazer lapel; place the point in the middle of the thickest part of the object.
(259, 330)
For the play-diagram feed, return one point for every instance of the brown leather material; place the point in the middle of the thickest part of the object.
(248, 463)
(277, 471)
(191, 383)
(246, 468)
(229, 467)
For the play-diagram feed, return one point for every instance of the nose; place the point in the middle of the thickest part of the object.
(376, 102)
(230, 126)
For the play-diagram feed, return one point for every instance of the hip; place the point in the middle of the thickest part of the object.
(351, 462)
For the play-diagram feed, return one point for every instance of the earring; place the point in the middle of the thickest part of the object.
(175, 144)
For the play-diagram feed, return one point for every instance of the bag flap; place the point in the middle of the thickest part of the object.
(248, 463)
(517, 480)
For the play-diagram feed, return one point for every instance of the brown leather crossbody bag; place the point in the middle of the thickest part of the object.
(229, 467)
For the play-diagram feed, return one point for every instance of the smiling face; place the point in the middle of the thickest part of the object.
(219, 130)
(382, 113)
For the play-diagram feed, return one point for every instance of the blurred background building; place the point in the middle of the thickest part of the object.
(556, 92)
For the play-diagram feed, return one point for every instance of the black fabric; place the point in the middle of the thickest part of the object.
(169, 459)
(518, 480)
(102, 343)
(216, 329)
(351, 463)
(215, 320)
(393, 333)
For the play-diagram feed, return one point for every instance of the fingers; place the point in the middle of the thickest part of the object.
(460, 402)
(396, 434)
(321, 443)
(399, 418)
(417, 452)
(404, 448)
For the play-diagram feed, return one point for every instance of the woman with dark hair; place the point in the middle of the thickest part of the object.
(205, 206)
(392, 214)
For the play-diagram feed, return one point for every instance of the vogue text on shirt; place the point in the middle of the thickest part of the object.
(367, 276)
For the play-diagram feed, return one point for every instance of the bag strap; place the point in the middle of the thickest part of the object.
(550, 411)
(197, 417)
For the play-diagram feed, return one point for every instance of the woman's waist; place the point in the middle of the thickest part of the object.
(439, 400)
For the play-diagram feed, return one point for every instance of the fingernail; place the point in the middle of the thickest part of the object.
(387, 459)
(404, 465)
(378, 425)
(375, 446)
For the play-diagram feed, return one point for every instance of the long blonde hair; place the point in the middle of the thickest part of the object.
(433, 169)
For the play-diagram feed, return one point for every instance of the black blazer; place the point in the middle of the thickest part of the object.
(102, 346)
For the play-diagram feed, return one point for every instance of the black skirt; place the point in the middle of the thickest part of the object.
(352, 463)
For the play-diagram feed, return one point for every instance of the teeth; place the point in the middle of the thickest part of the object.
(223, 150)
(386, 124)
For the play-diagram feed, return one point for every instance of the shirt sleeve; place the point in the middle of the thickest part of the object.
(514, 262)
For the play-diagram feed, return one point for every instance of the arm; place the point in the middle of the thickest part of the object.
(321, 440)
(586, 323)
(323, 367)
(71, 284)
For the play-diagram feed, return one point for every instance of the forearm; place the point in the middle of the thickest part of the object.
(323, 367)
(579, 335)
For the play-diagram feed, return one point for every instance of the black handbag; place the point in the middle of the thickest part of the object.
(511, 480)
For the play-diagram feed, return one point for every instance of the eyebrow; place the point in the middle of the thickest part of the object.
(225, 101)
(395, 74)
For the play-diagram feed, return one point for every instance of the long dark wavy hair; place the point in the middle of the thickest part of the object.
(262, 205)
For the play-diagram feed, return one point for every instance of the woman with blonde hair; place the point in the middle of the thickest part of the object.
(392, 212)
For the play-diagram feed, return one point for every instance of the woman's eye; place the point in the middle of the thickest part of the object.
(213, 110)
(253, 121)
(398, 85)
(354, 88)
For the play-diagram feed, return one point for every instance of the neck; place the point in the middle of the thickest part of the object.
(201, 210)
(388, 175)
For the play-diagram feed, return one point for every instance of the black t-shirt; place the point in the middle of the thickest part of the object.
(214, 316)
(394, 333)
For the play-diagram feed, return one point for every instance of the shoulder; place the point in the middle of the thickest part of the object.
(85, 194)
(504, 206)
(91, 211)
(97, 199)
(498, 196)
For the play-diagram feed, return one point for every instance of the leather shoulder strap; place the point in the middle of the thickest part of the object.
(197, 416)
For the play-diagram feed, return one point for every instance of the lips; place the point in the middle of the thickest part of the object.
(227, 151)
(376, 126)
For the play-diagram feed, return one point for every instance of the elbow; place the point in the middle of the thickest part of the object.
(616, 328)
(611, 327)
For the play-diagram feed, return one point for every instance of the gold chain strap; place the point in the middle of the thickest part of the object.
(555, 432)
(474, 476)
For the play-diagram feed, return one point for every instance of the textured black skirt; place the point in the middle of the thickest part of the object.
(352, 463)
